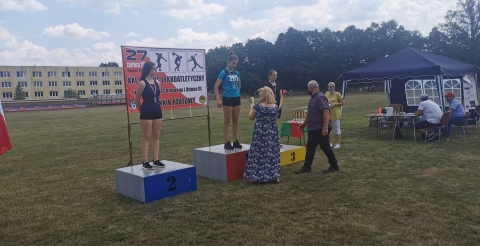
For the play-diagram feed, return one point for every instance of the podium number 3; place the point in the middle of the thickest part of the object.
(293, 156)
(171, 180)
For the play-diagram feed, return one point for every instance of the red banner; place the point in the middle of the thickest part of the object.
(181, 73)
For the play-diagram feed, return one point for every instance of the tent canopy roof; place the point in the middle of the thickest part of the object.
(410, 62)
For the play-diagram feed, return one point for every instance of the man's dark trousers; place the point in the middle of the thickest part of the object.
(316, 138)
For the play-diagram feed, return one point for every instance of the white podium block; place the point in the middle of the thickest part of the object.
(147, 185)
(217, 163)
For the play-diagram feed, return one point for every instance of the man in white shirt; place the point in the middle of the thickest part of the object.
(432, 114)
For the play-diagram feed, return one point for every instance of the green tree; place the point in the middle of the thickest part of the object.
(19, 93)
(70, 93)
(459, 36)
(109, 64)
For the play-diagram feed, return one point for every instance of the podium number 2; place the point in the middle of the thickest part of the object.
(293, 156)
(171, 180)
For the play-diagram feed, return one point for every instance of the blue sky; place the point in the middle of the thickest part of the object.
(89, 32)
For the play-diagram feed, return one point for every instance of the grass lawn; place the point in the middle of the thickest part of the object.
(58, 186)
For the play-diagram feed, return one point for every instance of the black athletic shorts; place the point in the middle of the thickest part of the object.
(424, 124)
(151, 115)
(231, 101)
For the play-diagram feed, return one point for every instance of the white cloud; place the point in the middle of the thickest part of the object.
(188, 38)
(108, 6)
(15, 52)
(197, 10)
(338, 14)
(104, 46)
(131, 35)
(22, 5)
(74, 30)
(135, 12)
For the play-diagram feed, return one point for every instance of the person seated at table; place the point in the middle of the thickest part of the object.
(432, 114)
(457, 113)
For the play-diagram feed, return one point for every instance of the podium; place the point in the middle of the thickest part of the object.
(217, 163)
(228, 165)
(147, 185)
(290, 154)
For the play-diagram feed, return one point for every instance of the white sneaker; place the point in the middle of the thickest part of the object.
(336, 146)
(331, 145)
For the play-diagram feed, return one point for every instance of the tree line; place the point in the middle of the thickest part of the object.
(299, 56)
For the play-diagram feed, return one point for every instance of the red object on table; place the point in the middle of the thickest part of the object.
(294, 129)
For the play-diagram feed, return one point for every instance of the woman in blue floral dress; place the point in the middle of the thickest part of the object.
(263, 163)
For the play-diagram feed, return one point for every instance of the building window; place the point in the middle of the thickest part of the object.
(81, 93)
(52, 83)
(105, 74)
(6, 84)
(52, 74)
(39, 94)
(93, 83)
(94, 92)
(67, 83)
(66, 74)
(37, 74)
(106, 82)
(106, 92)
(413, 90)
(118, 82)
(21, 74)
(79, 74)
(118, 74)
(37, 83)
(53, 93)
(452, 85)
(118, 91)
(26, 94)
(23, 84)
(80, 83)
(7, 95)
(93, 74)
(4, 74)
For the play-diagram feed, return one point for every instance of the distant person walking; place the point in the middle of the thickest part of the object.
(319, 125)
(335, 101)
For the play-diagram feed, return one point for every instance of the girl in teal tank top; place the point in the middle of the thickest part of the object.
(230, 79)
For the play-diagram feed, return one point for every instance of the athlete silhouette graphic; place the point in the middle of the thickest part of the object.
(192, 58)
(159, 64)
(177, 61)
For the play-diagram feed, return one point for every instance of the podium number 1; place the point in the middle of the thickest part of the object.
(171, 180)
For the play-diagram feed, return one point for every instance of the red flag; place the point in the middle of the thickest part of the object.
(5, 144)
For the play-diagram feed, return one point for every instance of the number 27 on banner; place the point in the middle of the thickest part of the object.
(132, 54)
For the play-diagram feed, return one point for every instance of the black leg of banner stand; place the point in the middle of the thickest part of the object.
(129, 138)
(208, 122)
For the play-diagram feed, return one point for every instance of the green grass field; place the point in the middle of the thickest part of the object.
(58, 186)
